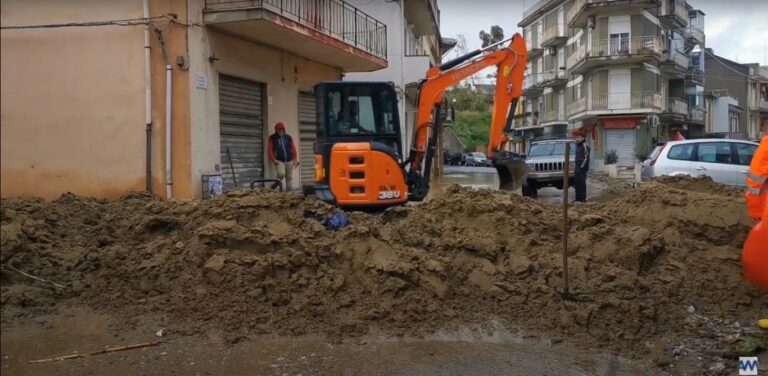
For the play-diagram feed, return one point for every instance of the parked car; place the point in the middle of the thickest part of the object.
(477, 159)
(726, 161)
(545, 165)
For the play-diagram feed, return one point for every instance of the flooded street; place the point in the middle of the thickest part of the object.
(487, 178)
(482, 350)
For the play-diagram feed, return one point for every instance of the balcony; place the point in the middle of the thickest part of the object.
(676, 16)
(330, 32)
(694, 35)
(581, 10)
(616, 51)
(758, 73)
(694, 75)
(552, 117)
(553, 78)
(615, 103)
(554, 36)
(674, 63)
(424, 15)
(578, 54)
(531, 85)
(760, 104)
(696, 114)
(676, 110)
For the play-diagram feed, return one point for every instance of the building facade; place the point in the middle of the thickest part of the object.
(413, 29)
(157, 105)
(623, 71)
(747, 84)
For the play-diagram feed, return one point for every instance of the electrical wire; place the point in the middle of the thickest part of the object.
(122, 22)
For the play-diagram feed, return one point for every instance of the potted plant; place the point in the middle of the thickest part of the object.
(611, 157)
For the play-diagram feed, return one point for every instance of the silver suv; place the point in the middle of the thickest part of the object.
(545, 165)
(726, 161)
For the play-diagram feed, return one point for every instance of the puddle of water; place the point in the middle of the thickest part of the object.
(483, 349)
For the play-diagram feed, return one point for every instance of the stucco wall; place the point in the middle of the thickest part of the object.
(72, 108)
(285, 75)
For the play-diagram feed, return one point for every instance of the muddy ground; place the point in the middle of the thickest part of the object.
(655, 271)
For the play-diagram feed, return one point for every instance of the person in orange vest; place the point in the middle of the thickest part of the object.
(755, 255)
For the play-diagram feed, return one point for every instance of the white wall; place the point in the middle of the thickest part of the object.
(720, 113)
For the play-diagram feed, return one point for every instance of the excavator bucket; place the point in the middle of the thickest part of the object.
(512, 173)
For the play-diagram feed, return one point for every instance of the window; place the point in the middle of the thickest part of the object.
(744, 153)
(681, 152)
(361, 110)
(733, 122)
(714, 152)
(541, 150)
(619, 43)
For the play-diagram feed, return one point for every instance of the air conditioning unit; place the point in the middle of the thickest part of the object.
(552, 51)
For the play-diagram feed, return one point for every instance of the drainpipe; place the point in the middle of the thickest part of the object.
(168, 147)
(148, 97)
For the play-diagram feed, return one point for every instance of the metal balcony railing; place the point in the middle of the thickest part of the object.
(577, 106)
(530, 80)
(677, 106)
(626, 46)
(626, 101)
(335, 18)
(578, 54)
(695, 75)
(413, 45)
(762, 104)
(550, 116)
(759, 71)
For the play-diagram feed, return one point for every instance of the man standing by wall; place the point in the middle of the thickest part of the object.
(582, 167)
(282, 153)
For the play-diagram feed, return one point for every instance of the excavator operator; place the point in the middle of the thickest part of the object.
(755, 255)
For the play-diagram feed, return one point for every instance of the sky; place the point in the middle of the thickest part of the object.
(735, 29)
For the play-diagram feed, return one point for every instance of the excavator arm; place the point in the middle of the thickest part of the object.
(510, 61)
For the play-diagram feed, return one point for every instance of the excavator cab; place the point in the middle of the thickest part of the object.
(358, 152)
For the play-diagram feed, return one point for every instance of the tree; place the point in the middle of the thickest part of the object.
(496, 35)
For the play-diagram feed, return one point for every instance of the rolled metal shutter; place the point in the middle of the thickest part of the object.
(623, 141)
(241, 123)
(307, 137)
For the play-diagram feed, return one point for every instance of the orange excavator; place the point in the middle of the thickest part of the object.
(358, 152)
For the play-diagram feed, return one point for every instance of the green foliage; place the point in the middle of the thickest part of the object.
(496, 35)
(611, 157)
(463, 98)
(472, 127)
(642, 153)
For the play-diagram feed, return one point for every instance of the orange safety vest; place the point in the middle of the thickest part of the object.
(755, 254)
(757, 181)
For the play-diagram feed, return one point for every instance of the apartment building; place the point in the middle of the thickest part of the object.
(413, 29)
(103, 109)
(748, 85)
(621, 70)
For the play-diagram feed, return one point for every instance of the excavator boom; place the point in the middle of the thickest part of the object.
(510, 61)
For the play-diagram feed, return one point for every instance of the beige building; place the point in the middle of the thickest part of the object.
(93, 111)
(413, 29)
(623, 71)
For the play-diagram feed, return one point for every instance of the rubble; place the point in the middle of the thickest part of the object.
(259, 262)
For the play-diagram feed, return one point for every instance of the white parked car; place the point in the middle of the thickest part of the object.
(726, 161)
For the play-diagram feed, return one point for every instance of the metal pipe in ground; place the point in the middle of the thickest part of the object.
(566, 169)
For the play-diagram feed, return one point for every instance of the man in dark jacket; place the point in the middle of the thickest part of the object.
(282, 154)
(582, 167)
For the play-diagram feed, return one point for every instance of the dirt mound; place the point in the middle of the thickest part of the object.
(659, 264)
(703, 184)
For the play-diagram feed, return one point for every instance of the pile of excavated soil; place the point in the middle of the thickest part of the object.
(703, 184)
(657, 267)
